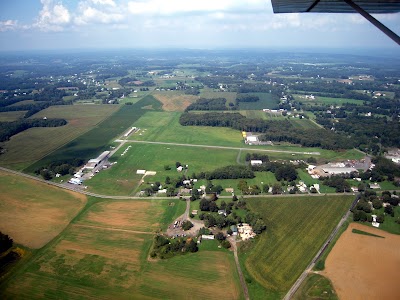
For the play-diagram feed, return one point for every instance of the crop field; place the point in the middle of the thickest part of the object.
(24, 102)
(121, 178)
(174, 100)
(303, 123)
(363, 266)
(93, 142)
(267, 100)
(9, 116)
(33, 213)
(34, 143)
(109, 261)
(296, 229)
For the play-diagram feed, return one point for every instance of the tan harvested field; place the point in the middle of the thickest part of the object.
(9, 116)
(173, 101)
(365, 267)
(130, 215)
(33, 213)
(104, 262)
(32, 144)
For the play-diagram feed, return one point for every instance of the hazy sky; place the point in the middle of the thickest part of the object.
(201, 24)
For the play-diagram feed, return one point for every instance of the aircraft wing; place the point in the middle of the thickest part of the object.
(335, 6)
(363, 7)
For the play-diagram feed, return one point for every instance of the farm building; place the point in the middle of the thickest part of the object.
(338, 170)
(75, 181)
(140, 172)
(251, 139)
(234, 230)
(256, 162)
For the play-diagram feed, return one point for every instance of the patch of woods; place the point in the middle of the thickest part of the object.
(206, 104)
(382, 206)
(61, 167)
(164, 247)
(8, 253)
(225, 215)
(277, 131)
(8, 129)
(46, 97)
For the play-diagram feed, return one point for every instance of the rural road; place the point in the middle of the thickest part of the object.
(311, 265)
(221, 147)
(232, 240)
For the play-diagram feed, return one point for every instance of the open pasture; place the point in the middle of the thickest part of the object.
(93, 142)
(296, 229)
(365, 267)
(9, 116)
(32, 212)
(326, 100)
(209, 94)
(174, 100)
(267, 100)
(103, 262)
(34, 143)
(121, 178)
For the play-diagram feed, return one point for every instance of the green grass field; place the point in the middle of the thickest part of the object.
(296, 229)
(121, 178)
(103, 257)
(267, 100)
(35, 143)
(315, 286)
(93, 142)
(229, 96)
(9, 116)
(327, 100)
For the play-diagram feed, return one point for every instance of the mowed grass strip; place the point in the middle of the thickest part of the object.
(32, 213)
(34, 143)
(93, 142)
(165, 127)
(296, 229)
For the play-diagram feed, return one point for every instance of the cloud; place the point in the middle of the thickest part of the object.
(91, 15)
(52, 17)
(104, 2)
(8, 25)
(176, 7)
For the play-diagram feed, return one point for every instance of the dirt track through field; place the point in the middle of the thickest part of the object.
(365, 267)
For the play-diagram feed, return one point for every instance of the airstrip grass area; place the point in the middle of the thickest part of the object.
(121, 178)
(93, 142)
(296, 229)
(33, 213)
(267, 100)
(35, 143)
(108, 259)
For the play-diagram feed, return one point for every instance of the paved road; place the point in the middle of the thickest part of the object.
(311, 265)
(222, 147)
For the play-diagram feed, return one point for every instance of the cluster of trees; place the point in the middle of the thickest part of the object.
(230, 172)
(8, 129)
(164, 247)
(337, 182)
(232, 120)
(7, 254)
(208, 104)
(63, 167)
(363, 211)
(211, 219)
(282, 171)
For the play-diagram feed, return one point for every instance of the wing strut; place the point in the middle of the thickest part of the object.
(374, 21)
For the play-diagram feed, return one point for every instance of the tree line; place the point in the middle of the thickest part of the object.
(8, 129)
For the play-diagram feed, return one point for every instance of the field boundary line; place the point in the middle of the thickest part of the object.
(112, 229)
